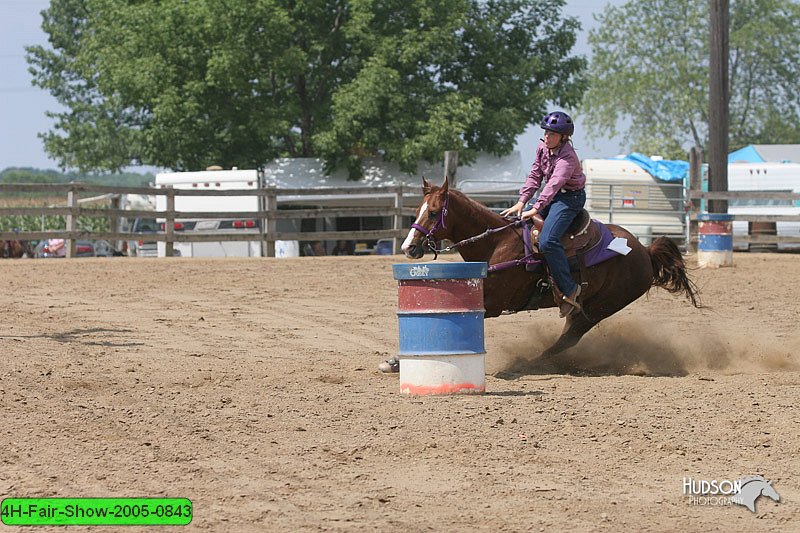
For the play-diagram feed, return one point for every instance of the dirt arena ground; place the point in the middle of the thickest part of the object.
(250, 387)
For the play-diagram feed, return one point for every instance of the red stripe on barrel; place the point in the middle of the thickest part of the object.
(715, 227)
(444, 388)
(440, 295)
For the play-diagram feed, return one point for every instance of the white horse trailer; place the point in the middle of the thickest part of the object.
(620, 192)
(218, 180)
(784, 177)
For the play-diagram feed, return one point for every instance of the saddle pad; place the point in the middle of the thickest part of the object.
(600, 252)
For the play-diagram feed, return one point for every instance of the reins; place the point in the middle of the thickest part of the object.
(430, 242)
(478, 237)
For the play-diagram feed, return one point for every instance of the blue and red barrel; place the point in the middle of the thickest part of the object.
(440, 315)
(715, 245)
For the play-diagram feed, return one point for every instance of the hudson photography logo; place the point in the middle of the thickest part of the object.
(743, 491)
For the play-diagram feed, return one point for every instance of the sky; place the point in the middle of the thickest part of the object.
(23, 107)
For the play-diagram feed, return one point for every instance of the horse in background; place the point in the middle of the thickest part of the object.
(16, 249)
(612, 284)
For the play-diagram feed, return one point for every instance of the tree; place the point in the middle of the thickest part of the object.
(238, 82)
(650, 69)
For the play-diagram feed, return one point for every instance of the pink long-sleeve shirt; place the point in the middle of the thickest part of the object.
(559, 170)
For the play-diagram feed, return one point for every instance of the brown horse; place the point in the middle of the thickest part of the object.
(612, 285)
(16, 249)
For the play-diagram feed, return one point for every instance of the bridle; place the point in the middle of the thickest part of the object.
(430, 241)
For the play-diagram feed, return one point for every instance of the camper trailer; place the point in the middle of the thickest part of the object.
(620, 192)
(219, 180)
(784, 177)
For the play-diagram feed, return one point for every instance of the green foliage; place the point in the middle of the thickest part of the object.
(30, 175)
(650, 68)
(30, 199)
(32, 223)
(184, 85)
(33, 175)
(50, 223)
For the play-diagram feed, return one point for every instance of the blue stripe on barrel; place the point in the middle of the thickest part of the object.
(715, 243)
(441, 333)
(439, 270)
(714, 216)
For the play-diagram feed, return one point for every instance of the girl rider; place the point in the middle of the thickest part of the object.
(561, 200)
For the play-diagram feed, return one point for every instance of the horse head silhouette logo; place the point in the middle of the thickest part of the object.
(752, 488)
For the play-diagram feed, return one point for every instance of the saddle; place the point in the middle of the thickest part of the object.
(581, 234)
(585, 244)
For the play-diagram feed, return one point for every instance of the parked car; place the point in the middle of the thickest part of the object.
(57, 248)
(142, 247)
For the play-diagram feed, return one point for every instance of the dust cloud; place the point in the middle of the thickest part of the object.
(635, 346)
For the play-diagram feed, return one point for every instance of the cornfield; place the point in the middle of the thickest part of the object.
(45, 222)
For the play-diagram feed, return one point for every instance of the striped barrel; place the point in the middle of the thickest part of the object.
(715, 247)
(440, 316)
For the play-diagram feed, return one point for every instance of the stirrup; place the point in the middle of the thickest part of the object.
(569, 305)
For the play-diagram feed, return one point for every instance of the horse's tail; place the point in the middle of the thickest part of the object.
(669, 270)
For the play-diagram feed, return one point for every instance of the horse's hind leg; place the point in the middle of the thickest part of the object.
(575, 328)
(578, 324)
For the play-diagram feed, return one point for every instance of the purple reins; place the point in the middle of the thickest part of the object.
(440, 224)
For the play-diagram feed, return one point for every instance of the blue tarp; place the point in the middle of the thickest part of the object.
(662, 169)
(748, 154)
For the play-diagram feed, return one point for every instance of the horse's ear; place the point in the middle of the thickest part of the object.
(445, 185)
(426, 186)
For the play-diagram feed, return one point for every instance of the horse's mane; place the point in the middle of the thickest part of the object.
(475, 209)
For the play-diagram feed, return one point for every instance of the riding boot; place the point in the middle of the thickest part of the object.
(570, 304)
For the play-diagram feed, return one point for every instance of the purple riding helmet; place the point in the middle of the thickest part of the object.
(558, 122)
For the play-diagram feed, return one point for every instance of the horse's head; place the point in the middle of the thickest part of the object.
(431, 223)
(751, 488)
(769, 491)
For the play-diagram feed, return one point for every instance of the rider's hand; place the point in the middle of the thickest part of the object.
(515, 209)
(529, 213)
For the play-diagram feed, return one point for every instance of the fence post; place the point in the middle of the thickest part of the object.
(398, 218)
(611, 199)
(262, 219)
(169, 222)
(271, 205)
(72, 220)
(450, 167)
(113, 221)
(695, 187)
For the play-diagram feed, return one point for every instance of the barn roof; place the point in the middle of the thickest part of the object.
(487, 174)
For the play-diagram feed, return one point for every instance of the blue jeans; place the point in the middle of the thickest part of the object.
(557, 218)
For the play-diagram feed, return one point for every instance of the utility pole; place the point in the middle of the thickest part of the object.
(450, 167)
(718, 103)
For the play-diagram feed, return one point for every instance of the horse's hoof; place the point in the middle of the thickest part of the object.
(390, 366)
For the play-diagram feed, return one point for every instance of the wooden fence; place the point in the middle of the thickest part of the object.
(395, 197)
(268, 214)
(767, 224)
